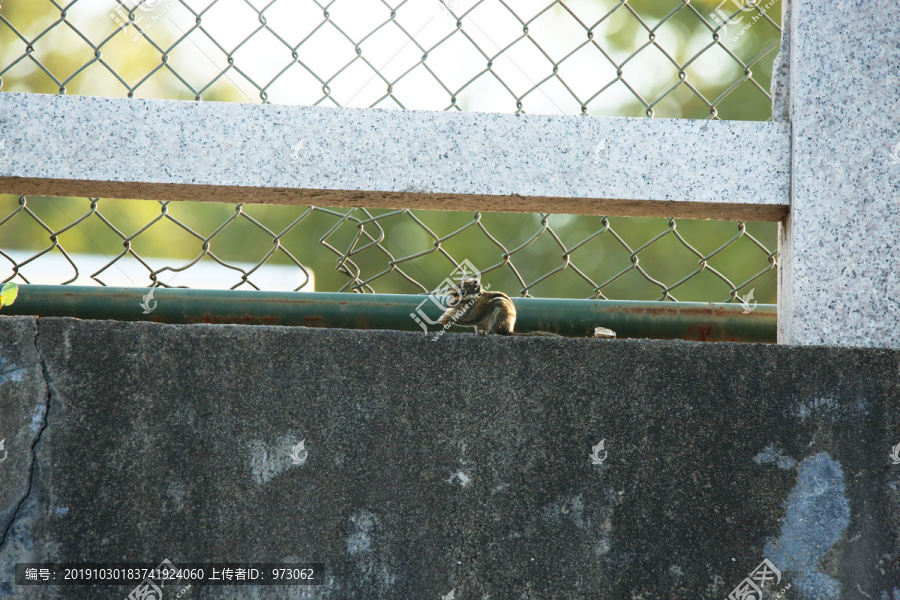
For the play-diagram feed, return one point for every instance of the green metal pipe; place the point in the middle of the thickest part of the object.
(575, 318)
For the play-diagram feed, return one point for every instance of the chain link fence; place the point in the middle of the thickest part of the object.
(701, 59)
(405, 250)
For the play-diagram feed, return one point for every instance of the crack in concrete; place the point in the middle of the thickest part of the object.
(46, 375)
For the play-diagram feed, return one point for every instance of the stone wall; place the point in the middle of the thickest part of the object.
(461, 464)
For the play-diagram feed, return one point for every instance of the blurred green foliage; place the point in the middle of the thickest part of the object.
(62, 55)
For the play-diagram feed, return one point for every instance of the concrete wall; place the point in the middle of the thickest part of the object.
(459, 464)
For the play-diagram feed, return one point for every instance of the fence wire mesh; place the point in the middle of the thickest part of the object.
(666, 58)
(591, 57)
(408, 250)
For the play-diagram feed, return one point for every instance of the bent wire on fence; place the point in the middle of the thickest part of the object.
(673, 59)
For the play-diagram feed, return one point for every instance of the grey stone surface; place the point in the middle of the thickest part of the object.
(288, 154)
(23, 407)
(840, 256)
(781, 70)
(463, 464)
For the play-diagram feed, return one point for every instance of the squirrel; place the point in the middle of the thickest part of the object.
(489, 312)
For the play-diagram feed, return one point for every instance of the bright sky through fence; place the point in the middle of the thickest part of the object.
(389, 55)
